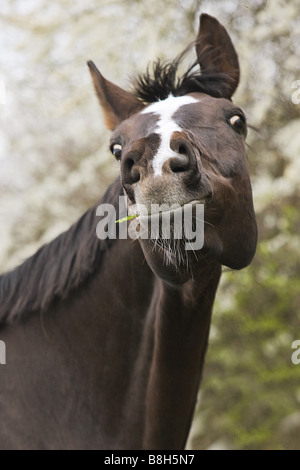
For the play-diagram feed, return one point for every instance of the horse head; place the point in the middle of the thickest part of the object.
(182, 141)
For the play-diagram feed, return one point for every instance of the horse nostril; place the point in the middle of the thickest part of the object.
(136, 176)
(130, 172)
(128, 164)
(177, 169)
(182, 150)
(180, 163)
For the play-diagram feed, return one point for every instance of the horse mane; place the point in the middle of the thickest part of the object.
(57, 267)
(161, 78)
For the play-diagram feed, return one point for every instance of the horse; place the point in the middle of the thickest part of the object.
(106, 337)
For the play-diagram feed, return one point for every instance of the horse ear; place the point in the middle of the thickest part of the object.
(216, 53)
(117, 104)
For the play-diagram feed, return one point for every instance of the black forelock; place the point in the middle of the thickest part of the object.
(162, 79)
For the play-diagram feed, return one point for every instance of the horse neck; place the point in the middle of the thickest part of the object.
(170, 359)
(182, 324)
(152, 336)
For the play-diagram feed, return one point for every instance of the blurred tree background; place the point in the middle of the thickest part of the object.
(55, 163)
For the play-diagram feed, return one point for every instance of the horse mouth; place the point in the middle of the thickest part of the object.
(143, 212)
(174, 231)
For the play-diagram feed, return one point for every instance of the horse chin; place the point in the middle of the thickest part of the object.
(171, 259)
(172, 240)
(167, 259)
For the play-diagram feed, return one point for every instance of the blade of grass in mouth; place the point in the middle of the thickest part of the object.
(129, 217)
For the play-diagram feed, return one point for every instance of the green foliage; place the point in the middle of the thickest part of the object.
(251, 388)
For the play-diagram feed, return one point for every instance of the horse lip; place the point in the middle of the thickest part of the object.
(180, 207)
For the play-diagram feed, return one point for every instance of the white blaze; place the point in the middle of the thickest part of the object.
(166, 126)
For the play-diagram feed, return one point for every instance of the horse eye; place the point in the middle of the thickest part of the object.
(116, 150)
(238, 123)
